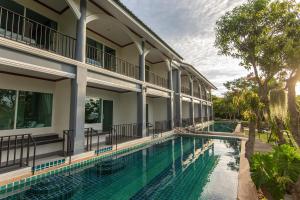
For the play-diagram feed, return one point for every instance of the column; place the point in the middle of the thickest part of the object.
(170, 101)
(208, 112)
(201, 111)
(78, 86)
(141, 96)
(81, 33)
(77, 109)
(192, 102)
(212, 112)
(177, 94)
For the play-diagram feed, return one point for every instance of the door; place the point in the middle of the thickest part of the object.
(107, 114)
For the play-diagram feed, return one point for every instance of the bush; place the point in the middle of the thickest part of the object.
(276, 171)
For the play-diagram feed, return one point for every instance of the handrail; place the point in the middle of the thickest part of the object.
(22, 29)
(99, 58)
(34, 152)
(156, 79)
(9, 145)
(67, 151)
(185, 90)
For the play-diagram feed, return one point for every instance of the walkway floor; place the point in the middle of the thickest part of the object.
(262, 147)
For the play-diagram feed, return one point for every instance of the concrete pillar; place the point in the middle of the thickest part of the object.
(78, 86)
(202, 112)
(177, 95)
(81, 33)
(170, 101)
(192, 114)
(208, 112)
(141, 96)
(77, 109)
(212, 111)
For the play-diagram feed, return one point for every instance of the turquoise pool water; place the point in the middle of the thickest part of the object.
(221, 126)
(174, 169)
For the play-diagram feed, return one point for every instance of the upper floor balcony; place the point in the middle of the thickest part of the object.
(108, 46)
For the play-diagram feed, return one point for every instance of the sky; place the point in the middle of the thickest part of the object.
(188, 27)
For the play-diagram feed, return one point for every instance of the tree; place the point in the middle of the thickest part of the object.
(251, 104)
(239, 34)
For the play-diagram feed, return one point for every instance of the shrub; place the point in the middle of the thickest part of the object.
(276, 170)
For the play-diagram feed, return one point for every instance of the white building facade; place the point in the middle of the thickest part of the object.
(78, 64)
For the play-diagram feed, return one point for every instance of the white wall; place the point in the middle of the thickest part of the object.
(157, 108)
(61, 101)
(124, 106)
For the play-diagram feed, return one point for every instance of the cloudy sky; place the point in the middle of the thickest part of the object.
(188, 26)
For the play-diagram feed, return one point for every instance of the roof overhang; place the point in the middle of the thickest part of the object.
(193, 71)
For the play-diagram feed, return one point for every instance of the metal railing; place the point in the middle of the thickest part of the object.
(162, 126)
(156, 79)
(198, 119)
(19, 28)
(187, 122)
(196, 94)
(123, 133)
(13, 148)
(67, 143)
(99, 58)
(185, 90)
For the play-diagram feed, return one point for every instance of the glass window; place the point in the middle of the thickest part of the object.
(94, 52)
(7, 109)
(34, 110)
(9, 21)
(93, 110)
(109, 58)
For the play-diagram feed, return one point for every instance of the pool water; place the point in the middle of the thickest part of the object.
(174, 169)
(221, 127)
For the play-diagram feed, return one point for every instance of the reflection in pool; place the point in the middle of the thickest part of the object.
(179, 168)
(221, 126)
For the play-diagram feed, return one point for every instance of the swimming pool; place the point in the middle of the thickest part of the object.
(179, 168)
(221, 126)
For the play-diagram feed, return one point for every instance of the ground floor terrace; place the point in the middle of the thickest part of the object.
(37, 116)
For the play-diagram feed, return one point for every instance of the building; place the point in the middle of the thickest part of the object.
(78, 64)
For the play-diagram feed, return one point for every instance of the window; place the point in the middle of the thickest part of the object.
(7, 109)
(8, 19)
(34, 110)
(41, 34)
(94, 52)
(109, 58)
(93, 110)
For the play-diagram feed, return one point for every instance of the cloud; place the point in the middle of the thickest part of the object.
(188, 26)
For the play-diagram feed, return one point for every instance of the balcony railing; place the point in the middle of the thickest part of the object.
(185, 90)
(196, 94)
(156, 79)
(187, 122)
(99, 58)
(19, 28)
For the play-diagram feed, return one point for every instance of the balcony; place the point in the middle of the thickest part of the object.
(156, 79)
(185, 90)
(99, 58)
(196, 94)
(24, 30)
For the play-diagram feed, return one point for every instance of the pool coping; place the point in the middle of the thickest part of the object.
(246, 187)
(85, 159)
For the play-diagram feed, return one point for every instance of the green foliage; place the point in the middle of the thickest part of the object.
(278, 104)
(276, 170)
